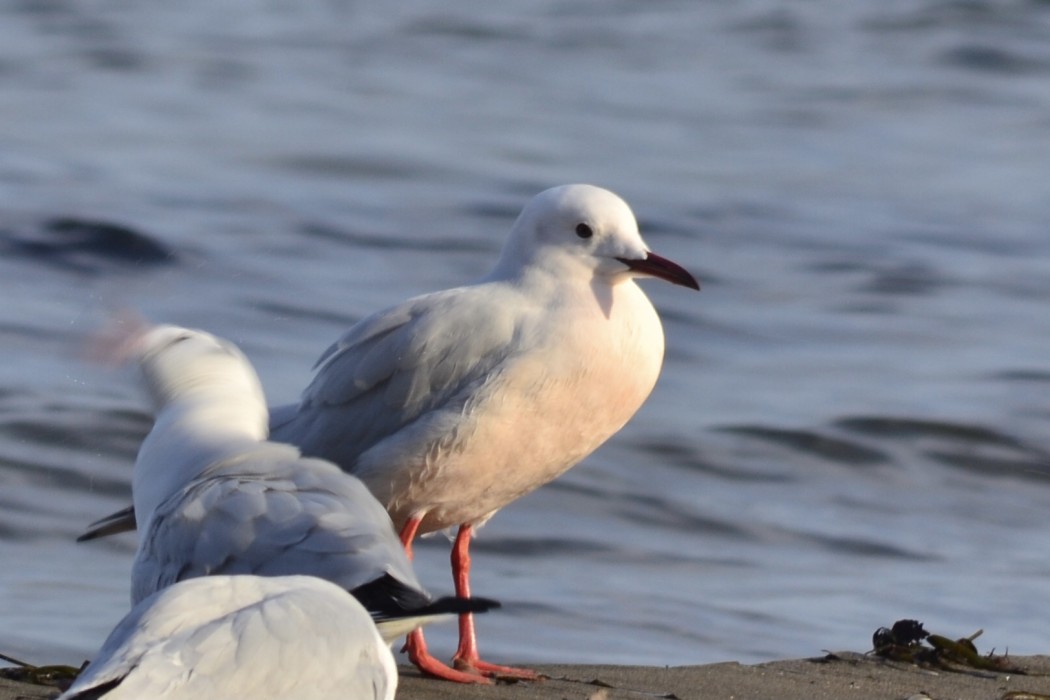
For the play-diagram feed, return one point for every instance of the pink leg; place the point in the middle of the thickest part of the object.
(408, 534)
(466, 658)
(415, 645)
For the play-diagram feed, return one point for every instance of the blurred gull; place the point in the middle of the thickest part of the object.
(453, 404)
(212, 496)
(218, 637)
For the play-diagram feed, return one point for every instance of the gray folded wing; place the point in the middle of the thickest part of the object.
(271, 512)
(427, 355)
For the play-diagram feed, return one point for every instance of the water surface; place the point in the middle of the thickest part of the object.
(850, 427)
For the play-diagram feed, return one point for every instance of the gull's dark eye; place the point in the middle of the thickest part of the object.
(584, 231)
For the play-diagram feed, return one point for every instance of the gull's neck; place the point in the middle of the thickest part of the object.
(552, 269)
(564, 281)
(188, 437)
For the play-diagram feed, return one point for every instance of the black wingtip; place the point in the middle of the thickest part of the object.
(386, 598)
(451, 605)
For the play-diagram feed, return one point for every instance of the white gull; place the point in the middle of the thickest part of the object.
(453, 404)
(213, 496)
(226, 637)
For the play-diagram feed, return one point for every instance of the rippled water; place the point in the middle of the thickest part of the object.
(850, 427)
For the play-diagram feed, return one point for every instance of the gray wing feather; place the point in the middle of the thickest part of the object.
(272, 513)
(426, 354)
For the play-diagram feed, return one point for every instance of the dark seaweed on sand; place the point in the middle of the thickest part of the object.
(60, 677)
(908, 641)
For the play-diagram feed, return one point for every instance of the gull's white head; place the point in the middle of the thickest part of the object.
(179, 364)
(587, 231)
(189, 368)
(207, 402)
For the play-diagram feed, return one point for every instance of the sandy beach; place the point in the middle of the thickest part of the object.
(841, 675)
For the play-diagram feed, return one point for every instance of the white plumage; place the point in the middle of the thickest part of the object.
(234, 637)
(453, 404)
(214, 497)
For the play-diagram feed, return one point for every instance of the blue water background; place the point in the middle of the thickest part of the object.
(852, 422)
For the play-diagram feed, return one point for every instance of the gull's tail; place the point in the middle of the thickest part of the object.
(112, 524)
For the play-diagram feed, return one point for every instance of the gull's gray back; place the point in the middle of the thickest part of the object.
(270, 512)
(430, 354)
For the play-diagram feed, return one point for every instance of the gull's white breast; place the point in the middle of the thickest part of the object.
(545, 409)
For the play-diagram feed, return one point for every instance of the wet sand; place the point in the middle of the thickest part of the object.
(846, 675)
